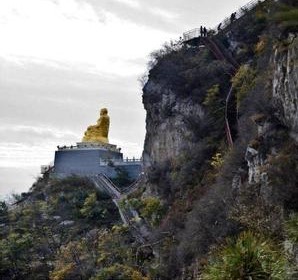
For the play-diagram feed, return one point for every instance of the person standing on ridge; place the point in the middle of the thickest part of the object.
(205, 32)
(201, 30)
(233, 17)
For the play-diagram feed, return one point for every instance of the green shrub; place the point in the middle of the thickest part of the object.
(243, 82)
(214, 102)
(135, 203)
(217, 161)
(167, 48)
(91, 208)
(291, 227)
(14, 255)
(287, 17)
(212, 95)
(3, 212)
(249, 257)
(152, 210)
(282, 171)
(261, 45)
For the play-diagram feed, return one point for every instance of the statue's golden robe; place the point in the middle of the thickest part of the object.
(100, 131)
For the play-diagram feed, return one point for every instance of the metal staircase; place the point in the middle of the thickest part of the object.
(129, 216)
(132, 187)
(194, 37)
(104, 184)
(221, 53)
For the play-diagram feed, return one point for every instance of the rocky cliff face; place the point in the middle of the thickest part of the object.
(285, 83)
(167, 130)
(285, 106)
(183, 124)
(252, 185)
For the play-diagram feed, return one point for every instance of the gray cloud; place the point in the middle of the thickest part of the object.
(32, 135)
(144, 15)
(64, 98)
(185, 14)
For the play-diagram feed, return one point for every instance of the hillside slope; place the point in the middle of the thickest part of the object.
(210, 189)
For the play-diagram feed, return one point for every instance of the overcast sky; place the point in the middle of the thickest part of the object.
(63, 60)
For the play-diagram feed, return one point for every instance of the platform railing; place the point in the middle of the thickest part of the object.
(127, 161)
(194, 33)
(88, 146)
(238, 14)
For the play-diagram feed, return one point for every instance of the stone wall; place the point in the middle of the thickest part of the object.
(84, 162)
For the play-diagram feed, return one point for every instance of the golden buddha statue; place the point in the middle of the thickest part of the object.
(100, 131)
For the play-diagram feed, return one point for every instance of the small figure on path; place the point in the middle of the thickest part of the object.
(233, 17)
(201, 30)
(205, 32)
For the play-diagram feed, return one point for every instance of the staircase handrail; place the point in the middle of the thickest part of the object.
(220, 54)
(102, 181)
(226, 53)
(133, 185)
(109, 182)
(114, 192)
(228, 129)
(239, 14)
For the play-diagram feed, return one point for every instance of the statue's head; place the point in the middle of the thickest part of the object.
(103, 111)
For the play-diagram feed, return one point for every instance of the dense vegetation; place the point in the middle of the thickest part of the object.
(65, 229)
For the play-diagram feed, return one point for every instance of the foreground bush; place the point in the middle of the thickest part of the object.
(292, 228)
(249, 257)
